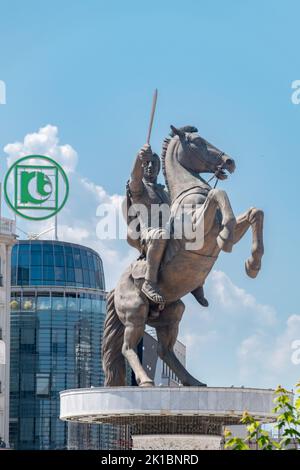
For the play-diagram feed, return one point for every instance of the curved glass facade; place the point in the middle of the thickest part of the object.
(57, 316)
(53, 263)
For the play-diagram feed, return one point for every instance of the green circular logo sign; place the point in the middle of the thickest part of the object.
(36, 187)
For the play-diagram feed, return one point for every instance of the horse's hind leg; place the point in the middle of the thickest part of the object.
(167, 332)
(132, 335)
(252, 218)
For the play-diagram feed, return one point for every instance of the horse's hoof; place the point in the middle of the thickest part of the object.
(194, 383)
(147, 383)
(200, 384)
(204, 302)
(250, 270)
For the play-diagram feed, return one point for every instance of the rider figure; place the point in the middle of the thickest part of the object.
(144, 189)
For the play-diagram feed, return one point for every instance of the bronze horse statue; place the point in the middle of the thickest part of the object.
(185, 156)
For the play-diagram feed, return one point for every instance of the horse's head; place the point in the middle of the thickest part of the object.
(197, 155)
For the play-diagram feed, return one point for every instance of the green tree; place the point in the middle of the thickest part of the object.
(287, 423)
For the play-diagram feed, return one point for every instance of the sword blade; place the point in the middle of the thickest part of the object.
(154, 101)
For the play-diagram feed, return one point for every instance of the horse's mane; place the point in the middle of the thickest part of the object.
(165, 145)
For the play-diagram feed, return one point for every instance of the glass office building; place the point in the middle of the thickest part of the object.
(57, 317)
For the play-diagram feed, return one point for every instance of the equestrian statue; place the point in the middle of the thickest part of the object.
(169, 265)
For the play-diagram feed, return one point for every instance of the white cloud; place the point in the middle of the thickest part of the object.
(268, 355)
(44, 142)
(237, 301)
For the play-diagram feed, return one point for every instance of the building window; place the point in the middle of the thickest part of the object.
(78, 276)
(26, 429)
(90, 260)
(15, 384)
(71, 276)
(48, 275)
(28, 304)
(59, 257)
(70, 260)
(42, 384)
(60, 277)
(27, 336)
(58, 302)
(27, 382)
(43, 303)
(84, 260)
(86, 278)
(77, 258)
(43, 342)
(24, 255)
(36, 275)
(15, 304)
(85, 304)
(48, 259)
(23, 276)
(36, 258)
(72, 303)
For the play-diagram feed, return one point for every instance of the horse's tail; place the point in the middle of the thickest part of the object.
(113, 335)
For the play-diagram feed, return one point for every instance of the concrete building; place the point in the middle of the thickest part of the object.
(7, 240)
(57, 316)
(155, 367)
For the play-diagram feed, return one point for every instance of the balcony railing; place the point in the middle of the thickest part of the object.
(7, 226)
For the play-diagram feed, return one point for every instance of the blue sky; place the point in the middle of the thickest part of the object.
(90, 68)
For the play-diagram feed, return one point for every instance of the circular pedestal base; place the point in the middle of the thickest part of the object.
(174, 406)
(168, 417)
(176, 442)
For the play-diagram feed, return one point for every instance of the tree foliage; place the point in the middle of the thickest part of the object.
(287, 424)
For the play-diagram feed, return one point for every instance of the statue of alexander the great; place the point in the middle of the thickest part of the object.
(172, 268)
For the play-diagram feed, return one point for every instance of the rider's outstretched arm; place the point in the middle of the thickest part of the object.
(137, 173)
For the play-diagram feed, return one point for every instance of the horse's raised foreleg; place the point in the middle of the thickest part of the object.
(167, 332)
(132, 335)
(252, 218)
(206, 214)
(226, 235)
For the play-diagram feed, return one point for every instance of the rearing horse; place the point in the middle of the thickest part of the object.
(185, 156)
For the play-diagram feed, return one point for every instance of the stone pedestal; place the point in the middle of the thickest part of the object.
(168, 417)
(176, 442)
